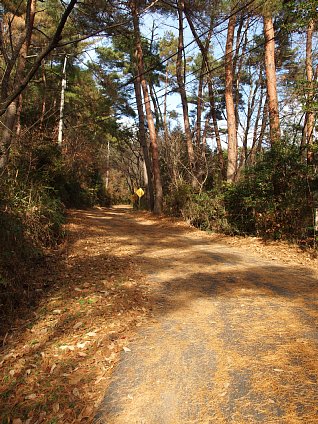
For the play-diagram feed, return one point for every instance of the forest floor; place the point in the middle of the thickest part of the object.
(146, 320)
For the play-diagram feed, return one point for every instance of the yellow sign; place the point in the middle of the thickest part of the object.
(140, 192)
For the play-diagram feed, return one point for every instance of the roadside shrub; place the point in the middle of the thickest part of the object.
(203, 210)
(206, 211)
(271, 200)
(177, 199)
(37, 209)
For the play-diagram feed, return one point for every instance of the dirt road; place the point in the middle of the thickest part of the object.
(233, 337)
(141, 319)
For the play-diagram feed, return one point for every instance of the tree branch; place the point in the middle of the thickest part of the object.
(54, 43)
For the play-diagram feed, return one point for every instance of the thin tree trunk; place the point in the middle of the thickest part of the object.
(271, 83)
(310, 117)
(199, 108)
(157, 109)
(205, 134)
(181, 85)
(229, 102)
(144, 144)
(238, 64)
(43, 109)
(8, 123)
(216, 129)
(7, 99)
(165, 125)
(62, 103)
(11, 112)
(263, 127)
(250, 111)
(18, 117)
(236, 72)
(151, 126)
(252, 155)
(204, 51)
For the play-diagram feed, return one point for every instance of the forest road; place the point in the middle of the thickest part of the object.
(233, 337)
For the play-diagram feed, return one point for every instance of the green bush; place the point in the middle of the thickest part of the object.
(203, 210)
(206, 211)
(36, 209)
(272, 198)
(177, 199)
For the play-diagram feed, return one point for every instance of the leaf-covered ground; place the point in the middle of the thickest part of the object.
(207, 328)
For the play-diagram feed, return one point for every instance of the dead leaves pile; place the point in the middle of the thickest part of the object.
(55, 366)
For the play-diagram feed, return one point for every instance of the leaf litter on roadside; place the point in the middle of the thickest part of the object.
(79, 336)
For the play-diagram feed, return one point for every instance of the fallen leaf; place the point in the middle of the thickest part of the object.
(30, 397)
(111, 357)
(91, 334)
(56, 408)
(81, 345)
(77, 325)
(87, 412)
(57, 312)
(53, 368)
(76, 392)
(67, 347)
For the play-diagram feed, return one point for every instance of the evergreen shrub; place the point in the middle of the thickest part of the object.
(272, 199)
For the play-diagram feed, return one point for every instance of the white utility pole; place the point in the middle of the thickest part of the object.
(60, 132)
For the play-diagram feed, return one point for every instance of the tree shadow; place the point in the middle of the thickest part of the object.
(174, 271)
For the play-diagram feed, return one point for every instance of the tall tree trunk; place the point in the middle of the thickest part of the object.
(181, 85)
(165, 125)
(43, 109)
(6, 137)
(310, 117)
(229, 102)
(198, 126)
(263, 127)
(250, 111)
(151, 126)
(10, 115)
(204, 49)
(238, 61)
(252, 155)
(156, 106)
(144, 144)
(271, 83)
(216, 128)
(205, 134)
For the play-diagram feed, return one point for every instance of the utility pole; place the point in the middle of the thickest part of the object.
(60, 132)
